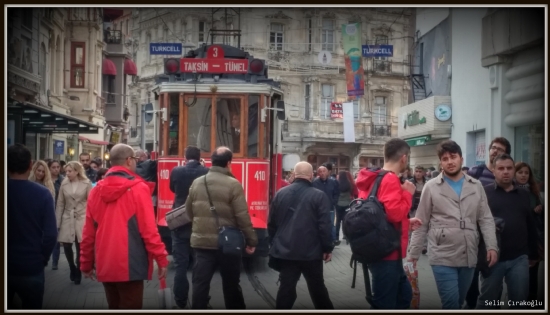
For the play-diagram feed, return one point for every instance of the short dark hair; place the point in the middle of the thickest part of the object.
(394, 149)
(504, 142)
(62, 163)
(19, 159)
(50, 162)
(502, 157)
(101, 172)
(192, 153)
(96, 162)
(419, 167)
(223, 158)
(448, 146)
(328, 166)
(465, 168)
(84, 153)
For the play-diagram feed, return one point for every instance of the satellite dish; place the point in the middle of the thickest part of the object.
(324, 57)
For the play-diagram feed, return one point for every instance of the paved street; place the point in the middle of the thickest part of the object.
(63, 294)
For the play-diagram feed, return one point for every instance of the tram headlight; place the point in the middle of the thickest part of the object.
(256, 66)
(171, 66)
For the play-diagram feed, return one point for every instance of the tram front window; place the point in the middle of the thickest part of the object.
(228, 124)
(199, 120)
(252, 125)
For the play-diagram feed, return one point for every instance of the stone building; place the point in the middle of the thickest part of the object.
(290, 41)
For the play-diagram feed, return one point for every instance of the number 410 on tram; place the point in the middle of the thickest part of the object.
(219, 95)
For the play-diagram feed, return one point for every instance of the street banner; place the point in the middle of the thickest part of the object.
(336, 110)
(349, 123)
(351, 38)
(58, 147)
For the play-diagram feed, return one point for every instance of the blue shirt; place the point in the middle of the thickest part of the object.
(32, 227)
(456, 186)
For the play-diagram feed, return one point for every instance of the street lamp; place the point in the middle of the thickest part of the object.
(106, 156)
(71, 152)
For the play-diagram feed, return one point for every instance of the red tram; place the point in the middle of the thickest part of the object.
(219, 95)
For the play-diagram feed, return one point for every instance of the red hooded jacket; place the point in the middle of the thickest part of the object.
(396, 201)
(120, 235)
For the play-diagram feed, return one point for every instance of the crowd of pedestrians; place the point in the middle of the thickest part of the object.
(452, 214)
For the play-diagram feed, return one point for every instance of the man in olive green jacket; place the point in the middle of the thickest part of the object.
(228, 198)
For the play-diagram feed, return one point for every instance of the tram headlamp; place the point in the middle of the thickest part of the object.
(256, 66)
(171, 66)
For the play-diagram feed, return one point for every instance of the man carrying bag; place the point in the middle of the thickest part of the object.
(221, 230)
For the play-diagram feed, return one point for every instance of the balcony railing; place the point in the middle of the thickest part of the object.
(381, 130)
(381, 65)
(112, 37)
(85, 15)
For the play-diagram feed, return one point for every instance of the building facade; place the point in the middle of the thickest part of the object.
(290, 41)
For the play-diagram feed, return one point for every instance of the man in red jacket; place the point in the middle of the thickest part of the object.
(390, 286)
(120, 235)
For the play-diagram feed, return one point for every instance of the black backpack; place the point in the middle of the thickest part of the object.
(365, 225)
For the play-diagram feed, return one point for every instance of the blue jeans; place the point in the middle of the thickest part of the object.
(181, 250)
(56, 252)
(516, 274)
(30, 290)
(452, 285)
(390, 287)
(332, 214)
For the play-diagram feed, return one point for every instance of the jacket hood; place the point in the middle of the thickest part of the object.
(117, 182)
(366, 178)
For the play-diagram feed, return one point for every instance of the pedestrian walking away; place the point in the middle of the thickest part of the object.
(519, 239)
(452, 206)
(57, 178)
(31, 233)
(217, 200)
(300, 234)
(484, 173)
(329, 186)
(348, 192)
(71, 214)
(390, 287)
(120, 208)
(181, 179)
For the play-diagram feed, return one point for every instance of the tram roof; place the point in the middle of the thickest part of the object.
(225, 87)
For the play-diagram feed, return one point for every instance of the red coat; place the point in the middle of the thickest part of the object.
(396, 201)
(120, 234)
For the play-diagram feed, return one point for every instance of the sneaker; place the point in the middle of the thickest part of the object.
(424, 251)
(336, 243)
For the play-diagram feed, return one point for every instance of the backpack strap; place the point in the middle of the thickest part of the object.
(377, 181)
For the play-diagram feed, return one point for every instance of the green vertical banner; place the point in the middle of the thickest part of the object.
(351, 38)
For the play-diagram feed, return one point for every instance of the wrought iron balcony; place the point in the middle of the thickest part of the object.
(85, 15)
(112, 37)
(381, 65)
(381, 130)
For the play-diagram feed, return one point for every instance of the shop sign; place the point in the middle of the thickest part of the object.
(443, 112)
(414, 119)
(58, 147)
(418, 141)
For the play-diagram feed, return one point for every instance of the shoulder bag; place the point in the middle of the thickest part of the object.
(177, 217)
(230, 238)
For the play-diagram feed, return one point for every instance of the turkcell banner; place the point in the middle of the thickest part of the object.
(165, 48)
(377, 51)
(351, 38)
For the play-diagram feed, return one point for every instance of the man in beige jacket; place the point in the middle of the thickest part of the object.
(452, 205)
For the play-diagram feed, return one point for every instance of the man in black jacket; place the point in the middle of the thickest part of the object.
(299, 231)
(331, 188)
(181, 179)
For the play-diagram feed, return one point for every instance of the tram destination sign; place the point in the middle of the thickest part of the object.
(212, 65)
(165, 48)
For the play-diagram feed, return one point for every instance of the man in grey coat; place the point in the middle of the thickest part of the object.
(452, 205)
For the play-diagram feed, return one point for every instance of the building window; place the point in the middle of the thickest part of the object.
(356, 109)
(307, 113)
(128, 27)
(138, 121)
(381, 40)
(202, 31)
(310, 34)
(339, 162)
(78, 67)
(327, 97)
(379, 115)
(148, 49)
(370, 162)
(276, 36)
(327, 35)
(42, 68)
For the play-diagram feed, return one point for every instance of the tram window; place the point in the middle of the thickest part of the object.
(199, 120)
(173, 145)
(228, 124)
(266, 152)
(253, 106)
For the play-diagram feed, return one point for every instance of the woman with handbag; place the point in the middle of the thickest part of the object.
(348, 192)
(525, 179)
(71, 214)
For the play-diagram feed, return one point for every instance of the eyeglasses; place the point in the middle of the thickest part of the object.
(498, 149)
(134, 157)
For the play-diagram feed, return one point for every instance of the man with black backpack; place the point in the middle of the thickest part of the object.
(390, 203)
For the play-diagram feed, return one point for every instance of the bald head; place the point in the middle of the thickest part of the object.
(120, 153)
(141, 154)
(303, 170)
(323, 172)
(222, 157)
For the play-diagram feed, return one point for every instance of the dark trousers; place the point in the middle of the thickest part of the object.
(30, 290)
(340, 213)
(75, 268)
(124, 295)
(291, 270)
(390, 287)
(230, 270)
(56, 253)
(534, 284)
(181, 250)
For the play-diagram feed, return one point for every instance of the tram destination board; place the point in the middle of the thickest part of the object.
(207, 65)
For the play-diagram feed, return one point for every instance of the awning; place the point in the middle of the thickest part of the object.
(418, 141)
(92, 141)
(38, 119)
(130, 67)
(109, 67)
